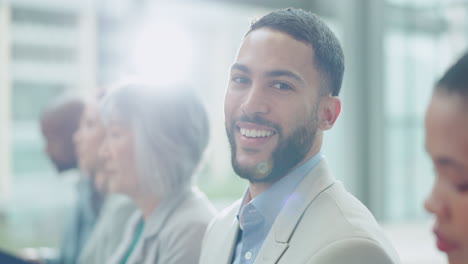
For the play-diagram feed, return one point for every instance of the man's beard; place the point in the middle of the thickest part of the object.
(290, 151)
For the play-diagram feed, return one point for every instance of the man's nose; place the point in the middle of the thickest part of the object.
(256, 101)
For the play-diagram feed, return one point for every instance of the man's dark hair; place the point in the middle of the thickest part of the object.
(307, 27)
(455, 80)
(59, 122)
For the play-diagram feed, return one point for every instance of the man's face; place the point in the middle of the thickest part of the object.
(271, 105)
(447, 144)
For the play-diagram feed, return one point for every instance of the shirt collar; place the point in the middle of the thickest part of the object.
(270, 202)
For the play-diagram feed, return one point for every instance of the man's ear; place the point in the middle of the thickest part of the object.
(329, 110)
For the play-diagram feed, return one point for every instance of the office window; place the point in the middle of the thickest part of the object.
(47, 55)
(419, 44)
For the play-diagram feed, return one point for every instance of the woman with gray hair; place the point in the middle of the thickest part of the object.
(155, 139)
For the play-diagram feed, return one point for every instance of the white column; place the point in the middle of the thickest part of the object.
(5, 98)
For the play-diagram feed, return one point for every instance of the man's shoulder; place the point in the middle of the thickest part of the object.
(346, 206)
(343, 211)
(340, 219)
(220, 235)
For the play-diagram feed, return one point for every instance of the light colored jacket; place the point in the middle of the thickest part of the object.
(172, 234)
(321, 223)
(108, 231)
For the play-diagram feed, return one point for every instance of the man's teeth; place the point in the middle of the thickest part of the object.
(255, 133)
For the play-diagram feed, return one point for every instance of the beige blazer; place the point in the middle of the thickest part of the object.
(171, 235)
(321, 224)
(108, 231)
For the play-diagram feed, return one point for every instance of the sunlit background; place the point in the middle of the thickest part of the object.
(395, 50)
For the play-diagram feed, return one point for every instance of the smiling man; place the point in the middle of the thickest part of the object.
(282, 94)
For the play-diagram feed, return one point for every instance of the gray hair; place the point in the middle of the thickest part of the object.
(170, 130)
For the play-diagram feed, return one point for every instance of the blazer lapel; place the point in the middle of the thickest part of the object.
(276, 243)
(225, 249)
(271, 252)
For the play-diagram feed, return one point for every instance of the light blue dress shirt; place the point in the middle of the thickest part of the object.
(257, 217)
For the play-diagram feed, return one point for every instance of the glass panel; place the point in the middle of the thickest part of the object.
(408, 174)
(415, 56)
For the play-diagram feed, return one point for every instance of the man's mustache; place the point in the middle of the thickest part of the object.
(258, 120)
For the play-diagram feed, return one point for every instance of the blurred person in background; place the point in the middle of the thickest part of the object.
(155, 140)
(446, 128)
(87, 140)
(116, 209)
(281, 96)
(59, 123)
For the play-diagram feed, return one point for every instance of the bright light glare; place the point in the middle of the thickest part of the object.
(163, 53)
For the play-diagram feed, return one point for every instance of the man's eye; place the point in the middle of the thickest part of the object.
(282, 86)
(241, 80)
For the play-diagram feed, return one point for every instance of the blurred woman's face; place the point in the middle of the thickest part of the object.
(88, 138)
(447, 144)
(119, 161)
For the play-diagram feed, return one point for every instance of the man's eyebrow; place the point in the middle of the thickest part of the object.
(240, 67)
(273, 73)
(279, 73)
